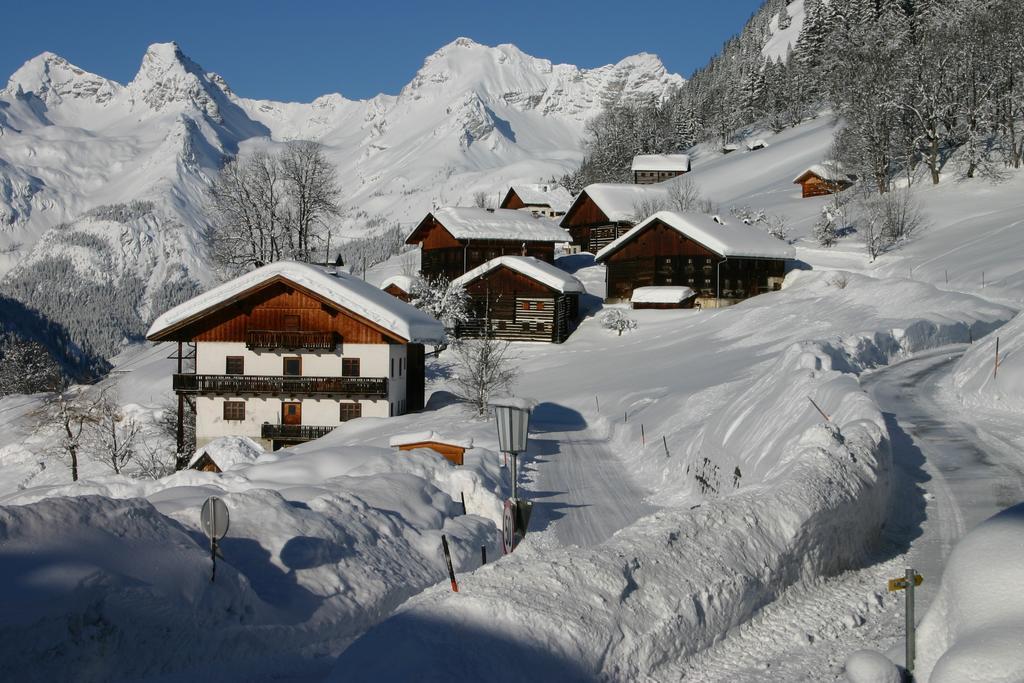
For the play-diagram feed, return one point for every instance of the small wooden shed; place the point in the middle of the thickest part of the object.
(452, 450)
(663, 297)
(822, 179)
(398, 286)
(544, 199)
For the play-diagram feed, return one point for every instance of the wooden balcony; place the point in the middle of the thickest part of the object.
(277, 339)
(293, 433)
(280, 385)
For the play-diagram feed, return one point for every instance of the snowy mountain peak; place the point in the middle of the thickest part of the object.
(53, 79)
(167, 76)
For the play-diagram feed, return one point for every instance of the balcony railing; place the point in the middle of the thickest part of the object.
(279, 385)
(274, 339)
(293, 433)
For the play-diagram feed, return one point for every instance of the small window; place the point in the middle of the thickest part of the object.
(401, 366)
(540, 305)
(540, 327)
(234, 410)
(350, 411)
(391, 410)
(293, 366)
(526, 327)
(291, 323)
(350, 367)
(526, 305)
(392, 367)
(234, 365)
(501, 324)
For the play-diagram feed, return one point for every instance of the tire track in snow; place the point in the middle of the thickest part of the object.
(582, 491)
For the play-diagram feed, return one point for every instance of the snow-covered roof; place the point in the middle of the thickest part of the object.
(470, 222)
(618, 201)
(403, 282)
(661, 295)
(661, 162)
(428, 437)
(533, 268)
(756, 144)
(831, 171)
(346, 291)
(517, 402)
(737, 240)
(554, 196)
(229, 452)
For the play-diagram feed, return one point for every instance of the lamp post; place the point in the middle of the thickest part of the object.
(512, 416)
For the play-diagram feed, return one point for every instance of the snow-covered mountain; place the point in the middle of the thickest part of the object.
(473, 118)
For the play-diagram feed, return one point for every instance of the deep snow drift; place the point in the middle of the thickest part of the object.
(974, 629)
(781, 494)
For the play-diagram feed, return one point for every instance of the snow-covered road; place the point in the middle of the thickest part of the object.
(956, 469)
(581, 490)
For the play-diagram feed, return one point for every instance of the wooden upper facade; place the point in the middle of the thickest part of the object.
(279, 306)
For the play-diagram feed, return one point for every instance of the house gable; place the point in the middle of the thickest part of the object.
(658, 239)
(584, 211)
(266, 306)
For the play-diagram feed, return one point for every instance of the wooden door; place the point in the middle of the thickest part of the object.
(291, 413)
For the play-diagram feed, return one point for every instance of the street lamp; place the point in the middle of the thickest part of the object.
(512, 416)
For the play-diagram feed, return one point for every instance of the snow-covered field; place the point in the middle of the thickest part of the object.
(688, 493)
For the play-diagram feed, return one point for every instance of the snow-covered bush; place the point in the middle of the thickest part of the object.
(26, 367)
(616, 319)
(825, 229)
(774, 225)
(887, 220)
(442, 299)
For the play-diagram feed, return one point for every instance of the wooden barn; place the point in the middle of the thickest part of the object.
(603, 212)
(455, 240)
(823, 179)
(539, 199)
(723, 263)
(520, 298)
(452, 450)
(663, 297)
(398, 286)
(656, 168)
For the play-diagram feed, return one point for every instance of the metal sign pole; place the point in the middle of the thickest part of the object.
(515, 474)
(911, 580)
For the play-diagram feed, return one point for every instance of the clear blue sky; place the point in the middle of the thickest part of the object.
(301, 49)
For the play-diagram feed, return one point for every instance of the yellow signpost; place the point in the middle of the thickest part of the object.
(908, 583)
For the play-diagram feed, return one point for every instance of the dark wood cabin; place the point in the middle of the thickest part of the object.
(520, 299)
(456, 240)
(822, 180)
(722, 264)
(603, 212)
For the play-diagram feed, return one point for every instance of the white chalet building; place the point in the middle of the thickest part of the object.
(289, 351)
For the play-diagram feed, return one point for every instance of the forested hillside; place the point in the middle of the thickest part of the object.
(924, 87)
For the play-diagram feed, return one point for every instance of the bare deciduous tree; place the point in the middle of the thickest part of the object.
(441, 299)
(112, 435)
(266, 207)
(64, 420)
(483, 368)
